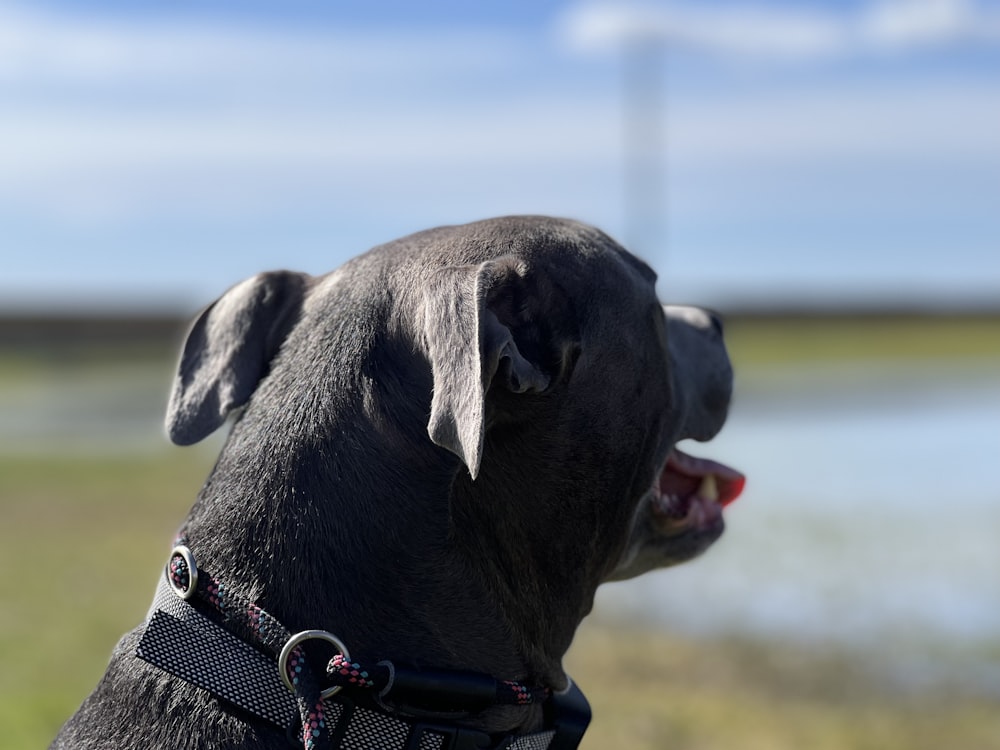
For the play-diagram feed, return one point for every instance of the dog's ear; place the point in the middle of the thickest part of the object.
(471, 348)
(228, 351)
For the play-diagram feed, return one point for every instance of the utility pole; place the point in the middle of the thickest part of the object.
(644, 147)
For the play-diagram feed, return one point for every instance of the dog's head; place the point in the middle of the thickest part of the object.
(515, 382)
(587, 384)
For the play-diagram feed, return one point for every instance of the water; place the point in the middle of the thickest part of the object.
(871, 520)
(95, 409)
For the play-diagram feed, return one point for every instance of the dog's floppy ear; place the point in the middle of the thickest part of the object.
(470, 349)
(228, 351)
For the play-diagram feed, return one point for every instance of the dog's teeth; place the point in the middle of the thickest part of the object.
(708, 489)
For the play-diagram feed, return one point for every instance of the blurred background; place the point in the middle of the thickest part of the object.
(826, 173)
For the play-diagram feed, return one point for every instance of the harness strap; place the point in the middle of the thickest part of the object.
(182, 641)
(260, 628)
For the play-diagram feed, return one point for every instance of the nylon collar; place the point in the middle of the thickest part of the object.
(383, 706)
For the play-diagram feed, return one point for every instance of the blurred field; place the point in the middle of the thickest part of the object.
(661, 692)
(82, 541)
(83, 535)
(768, 341)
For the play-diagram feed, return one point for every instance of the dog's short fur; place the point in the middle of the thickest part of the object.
(447, 445)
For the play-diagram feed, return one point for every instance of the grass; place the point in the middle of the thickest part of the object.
(81, 540)
(653, 691)
(755, 342)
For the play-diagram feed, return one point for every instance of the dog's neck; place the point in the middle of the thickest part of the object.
(381, 566)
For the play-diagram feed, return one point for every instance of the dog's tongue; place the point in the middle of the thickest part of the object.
(685, 473)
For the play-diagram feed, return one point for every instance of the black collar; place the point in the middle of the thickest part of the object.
(413, 711)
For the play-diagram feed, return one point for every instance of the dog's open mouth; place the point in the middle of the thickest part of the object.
(692, 492)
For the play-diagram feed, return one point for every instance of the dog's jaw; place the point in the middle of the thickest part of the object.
(681, 515)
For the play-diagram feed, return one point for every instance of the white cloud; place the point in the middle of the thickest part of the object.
(111, 118)
(40, 47)
(115, 164)
(915, 122)
(109, 165)
(733, 30)
(901, 24)
(96, 136)
(766, 32)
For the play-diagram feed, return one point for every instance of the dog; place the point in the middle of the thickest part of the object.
(438, 452)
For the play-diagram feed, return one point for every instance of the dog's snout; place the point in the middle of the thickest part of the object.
(702, 373)
(697, 318)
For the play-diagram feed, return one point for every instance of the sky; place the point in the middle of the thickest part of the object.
(818, 152)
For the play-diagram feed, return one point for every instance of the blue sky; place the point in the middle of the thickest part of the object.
(833, 152)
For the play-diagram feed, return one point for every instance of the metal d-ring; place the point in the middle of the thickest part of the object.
(292, 643)
(185, 554)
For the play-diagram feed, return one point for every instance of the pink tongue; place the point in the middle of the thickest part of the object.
(684, 473)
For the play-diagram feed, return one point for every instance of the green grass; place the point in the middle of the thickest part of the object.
(754, 342)
(20, 366)
(81, 541)
(651, 691)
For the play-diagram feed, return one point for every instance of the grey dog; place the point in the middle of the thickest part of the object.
(441, 450)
